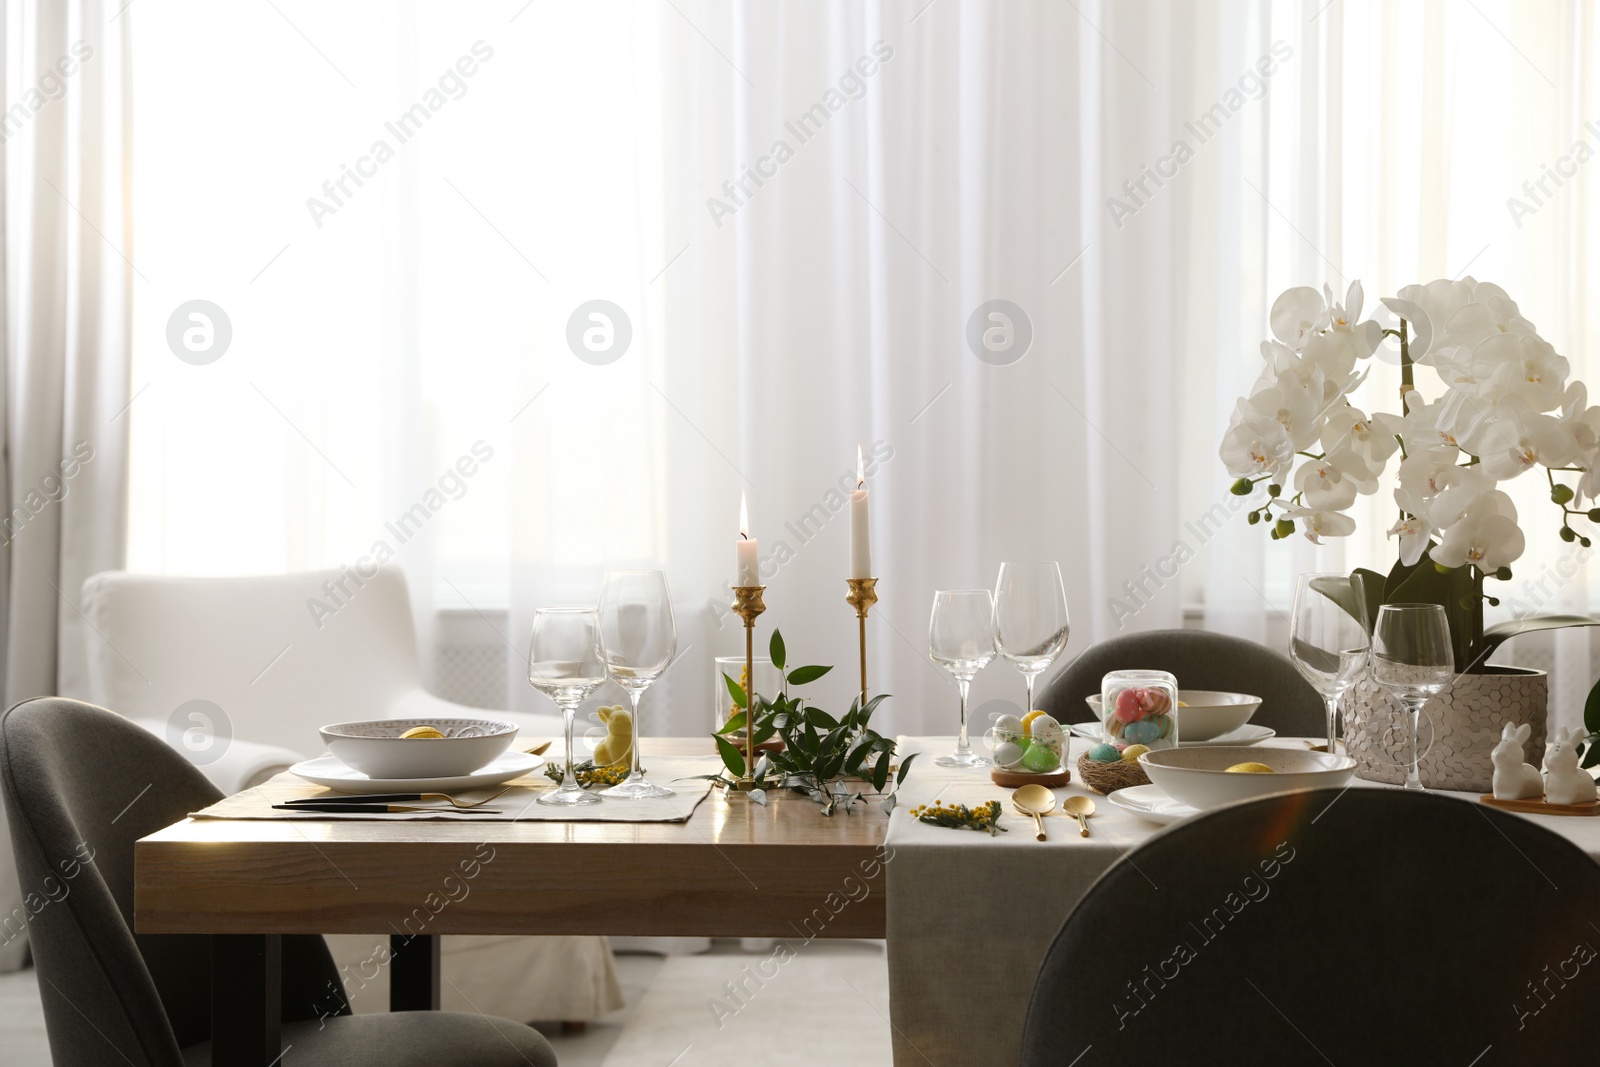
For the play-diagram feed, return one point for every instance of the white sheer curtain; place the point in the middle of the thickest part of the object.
(785, 305)
(68, 279)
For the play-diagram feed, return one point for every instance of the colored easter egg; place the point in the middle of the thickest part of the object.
(1143, 732)
(1009, 725)
(1104, 753)
(1008, 754)
(1127, 707)
(1133, 752)
(1041, 759)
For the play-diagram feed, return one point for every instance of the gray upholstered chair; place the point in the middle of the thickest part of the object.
(81, 786)
(1199, 660)
(1359, 926)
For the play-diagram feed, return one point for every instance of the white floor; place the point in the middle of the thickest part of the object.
(681, 1011)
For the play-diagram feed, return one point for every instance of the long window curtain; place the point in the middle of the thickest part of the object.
(648, 257)
(68, 286)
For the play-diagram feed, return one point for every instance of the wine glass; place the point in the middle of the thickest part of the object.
(1030, 618)
(564, 664)
(1413, 660)
(961, 640)
(1328, 639)
(637, 641)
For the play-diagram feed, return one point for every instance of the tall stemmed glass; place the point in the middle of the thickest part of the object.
(1030, 618)
(564, 664)
(1413, 660)
(961, 640)
(1328, 639)
(637, 642)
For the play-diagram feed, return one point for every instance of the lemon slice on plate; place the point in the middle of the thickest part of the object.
(421, 731)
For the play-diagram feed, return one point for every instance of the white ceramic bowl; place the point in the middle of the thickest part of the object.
(1199, 777)
(1204, 714)
(376, 749)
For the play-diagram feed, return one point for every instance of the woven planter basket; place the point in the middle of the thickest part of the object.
(1466, 719)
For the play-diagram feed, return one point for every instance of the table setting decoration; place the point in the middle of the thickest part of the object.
(564, 664)
(1207, 777)
(1564, 789)
(1105, 770)
(820, 755)
(1139, 708)
(637, 640)
(418, 748)
(961, 640)
(1031, 749)
(983, 817)
(1505, 407)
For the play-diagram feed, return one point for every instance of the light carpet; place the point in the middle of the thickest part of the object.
(800, 1004)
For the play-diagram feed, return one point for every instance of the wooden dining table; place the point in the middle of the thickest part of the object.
(734, 869)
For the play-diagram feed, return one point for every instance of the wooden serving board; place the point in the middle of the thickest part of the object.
(1015, 779)
(1541, 806)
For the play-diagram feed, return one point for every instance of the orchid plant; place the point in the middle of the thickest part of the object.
(1505, 409)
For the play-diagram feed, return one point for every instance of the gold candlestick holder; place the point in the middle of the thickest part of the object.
(862, 596)
(747, 604)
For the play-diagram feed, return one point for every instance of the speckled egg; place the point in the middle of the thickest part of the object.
(1041, 759)
(1008, 754)
(1104, 753)
(1009, 725)
(1143, 732)
(1132, 753)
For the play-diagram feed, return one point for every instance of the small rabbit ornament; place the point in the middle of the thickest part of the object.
(1514, 779)
(1565, 782)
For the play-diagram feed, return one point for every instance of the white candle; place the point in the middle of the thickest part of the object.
(860, 543)
(749, 570)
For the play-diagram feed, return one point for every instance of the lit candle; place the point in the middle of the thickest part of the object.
(749, 562)
(860, 544)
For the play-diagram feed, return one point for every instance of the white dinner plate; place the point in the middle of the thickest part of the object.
(1150, 802)
(1248, 734)
(342, 778)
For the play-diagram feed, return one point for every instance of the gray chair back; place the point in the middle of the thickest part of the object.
(1359, 926)
(81, 786)
(1199, 660)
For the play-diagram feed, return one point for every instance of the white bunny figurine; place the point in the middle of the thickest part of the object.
(1514, 779)
(1565, 781)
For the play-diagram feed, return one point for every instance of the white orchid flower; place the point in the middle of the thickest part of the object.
(1256, 445)
(1426, 427)
(1525, 368)
(1487, 536)
(1426, 473)
(1324, 486)
(1317, 523)
(1297, 314)
(1374, 438)
(1457, 489)
(1515, 439)
(1414, 530)
(1297, 406)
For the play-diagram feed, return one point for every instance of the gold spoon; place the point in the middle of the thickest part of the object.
(1034, 800)
(1082, 807)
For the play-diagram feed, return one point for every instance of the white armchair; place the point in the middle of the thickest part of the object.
(272, 671)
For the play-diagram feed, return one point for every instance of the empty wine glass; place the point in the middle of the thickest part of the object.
(1328, 639)
(637, 642)
(961, 640)
(564, 664)
(1030, 618)
(1413, 660)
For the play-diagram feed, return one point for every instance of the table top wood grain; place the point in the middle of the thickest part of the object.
(735, 868)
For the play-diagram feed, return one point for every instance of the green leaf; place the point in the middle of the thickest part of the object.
(872, 705)
(734, 724)
(880, 772)
(732, 758)
(775, 649)
(1501, 632)
(888, 803)
(802, 675)
(821, 719)
(735, 690)
(905, 765)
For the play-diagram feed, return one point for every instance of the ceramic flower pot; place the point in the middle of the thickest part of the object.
(1459, 728)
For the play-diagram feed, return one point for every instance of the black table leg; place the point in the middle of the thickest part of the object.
(246, 1000)
(413, 973)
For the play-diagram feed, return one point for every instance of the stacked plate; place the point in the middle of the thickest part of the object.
(1187, 780)
(440, 756)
